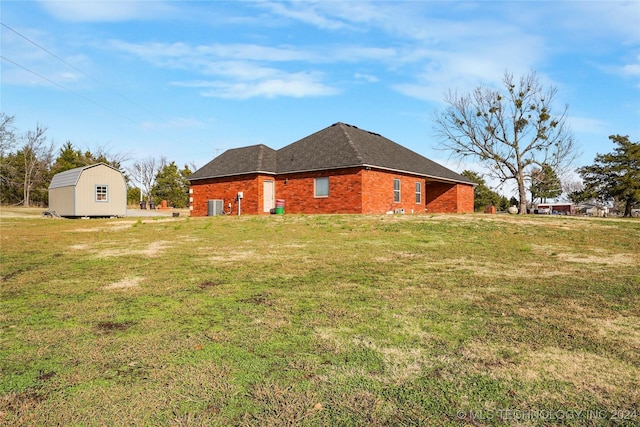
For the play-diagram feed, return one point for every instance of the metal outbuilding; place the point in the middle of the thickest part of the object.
(97, 190)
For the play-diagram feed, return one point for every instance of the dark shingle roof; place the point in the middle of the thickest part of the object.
(239, 161)
(337, 146)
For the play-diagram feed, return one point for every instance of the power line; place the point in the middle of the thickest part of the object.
(161, 119)
(132, 102)
(69, 90)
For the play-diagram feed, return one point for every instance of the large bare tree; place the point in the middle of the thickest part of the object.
(510, 131)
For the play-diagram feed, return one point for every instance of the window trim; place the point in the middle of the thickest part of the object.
(315, 187)
(104, 193)
(418, 192)
(397, 193)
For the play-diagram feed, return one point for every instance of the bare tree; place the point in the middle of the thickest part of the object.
(510, 131)
(144, 173)
(7, 134)
(7, 141)
(37, 156)
(102, 154)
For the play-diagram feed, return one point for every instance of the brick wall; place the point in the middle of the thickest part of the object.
(465, 198)
(351, 191)
(379, 192)
(298, 192)
(449, 198)
(227, 189)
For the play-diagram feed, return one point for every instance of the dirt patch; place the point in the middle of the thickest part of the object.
(260, 299)
(208, 284)
(125, 283)
(113, 326)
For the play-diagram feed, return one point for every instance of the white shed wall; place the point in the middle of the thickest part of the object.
(86, 204)
(62, 201)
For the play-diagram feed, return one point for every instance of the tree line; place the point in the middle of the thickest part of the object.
(514, 132)
(28, 162)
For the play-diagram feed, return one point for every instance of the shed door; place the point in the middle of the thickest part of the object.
(269, 196)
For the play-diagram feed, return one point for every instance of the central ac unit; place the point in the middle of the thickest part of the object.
(215, 207)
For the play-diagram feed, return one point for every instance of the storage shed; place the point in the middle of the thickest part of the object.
(97, 190)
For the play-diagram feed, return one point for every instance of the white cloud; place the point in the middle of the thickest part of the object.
(106, 11)
(295, 85)
(306, 12)
(366, 77)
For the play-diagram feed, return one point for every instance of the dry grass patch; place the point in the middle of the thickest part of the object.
(153, 249)
(611, 380)
(611, 260)
(224, 256)
(622, 328)
(130, 282)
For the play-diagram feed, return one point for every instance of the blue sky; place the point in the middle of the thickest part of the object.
(188, 80)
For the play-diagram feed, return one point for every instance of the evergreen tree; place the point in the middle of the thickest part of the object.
(615, 175)
(545, 184)
(70, 158)
(483, 196)
(171, 185)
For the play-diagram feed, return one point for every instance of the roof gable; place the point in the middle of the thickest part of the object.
(337, 146)
(70, 177)
(239, 161)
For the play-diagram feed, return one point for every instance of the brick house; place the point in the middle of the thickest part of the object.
(340, 169)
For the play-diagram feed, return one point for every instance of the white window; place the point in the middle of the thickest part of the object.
(321, 187)
(396, 191)
(102, 193)
(418, 192)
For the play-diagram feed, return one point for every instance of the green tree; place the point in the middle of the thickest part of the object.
(545, 184)
(511, 130)
(615, 175)
(171, 184)
(12, 167)
(133, 195)
(8, 163)
(70, 158)
(484, 196)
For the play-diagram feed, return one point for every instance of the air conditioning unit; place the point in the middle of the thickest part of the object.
(215, 207)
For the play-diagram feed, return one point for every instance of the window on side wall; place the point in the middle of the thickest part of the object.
(418, 193)
(396, 191)
(321, 187)
(102, 193)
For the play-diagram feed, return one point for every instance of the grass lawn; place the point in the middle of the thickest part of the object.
(319, 320)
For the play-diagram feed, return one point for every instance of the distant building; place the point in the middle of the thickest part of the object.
(556, 208)
(97, 190)
(339, 169)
